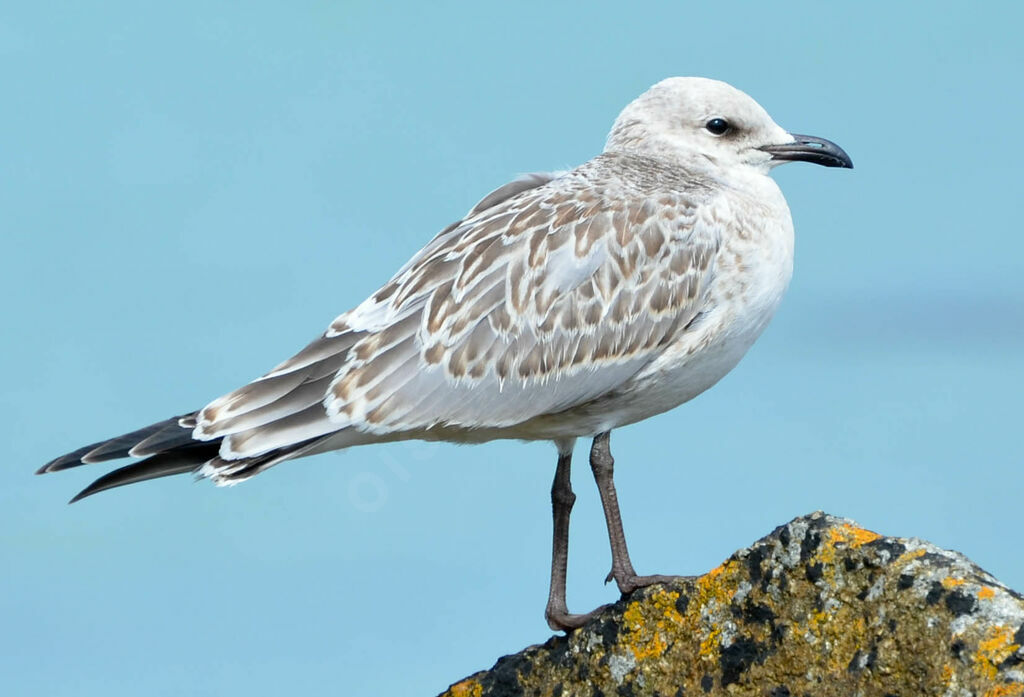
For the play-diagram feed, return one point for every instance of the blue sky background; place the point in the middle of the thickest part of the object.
(190, 191)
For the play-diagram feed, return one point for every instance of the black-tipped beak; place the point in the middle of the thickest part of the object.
(810, 149)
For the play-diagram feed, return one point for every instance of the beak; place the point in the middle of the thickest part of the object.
(810, 149)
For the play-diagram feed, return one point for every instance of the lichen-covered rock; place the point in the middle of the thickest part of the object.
(818, 607)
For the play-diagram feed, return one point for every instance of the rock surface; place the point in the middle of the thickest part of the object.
(818, 607)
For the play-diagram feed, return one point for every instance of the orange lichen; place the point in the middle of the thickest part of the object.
(986, 593)
(947, 674)
(467, 688)
(851, 535)
(1005, 690)
(844, 535)
(717, 584)
(993, 650)
(949, 582)
(910, 556)
(709, 576)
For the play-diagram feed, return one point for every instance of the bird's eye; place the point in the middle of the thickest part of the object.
(717, 127)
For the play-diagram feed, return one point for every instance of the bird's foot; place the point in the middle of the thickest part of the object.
(565, 621)
(628, 583)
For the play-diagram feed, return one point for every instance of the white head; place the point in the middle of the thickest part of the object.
(707, 123)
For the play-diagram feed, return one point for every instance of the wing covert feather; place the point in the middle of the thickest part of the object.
(540, 304)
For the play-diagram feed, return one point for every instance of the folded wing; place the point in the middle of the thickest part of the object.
(552, 292)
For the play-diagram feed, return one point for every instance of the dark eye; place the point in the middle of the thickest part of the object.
(717, 126)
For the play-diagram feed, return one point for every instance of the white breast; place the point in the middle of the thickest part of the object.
(752, 272)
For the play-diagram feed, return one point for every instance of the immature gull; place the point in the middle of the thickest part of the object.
(562, 305)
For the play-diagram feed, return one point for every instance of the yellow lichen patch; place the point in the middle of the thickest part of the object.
(993, 650)
(466, 688)
(844, 535)
(714, 592)
(648, 623)
(713, 573)
(851, 535)
(910, 556)
(816, 622)
(665, 601)
(717, 584)
(949, 582)
(986, 594)
(709, 646)
(1005, 690)
(947, 674)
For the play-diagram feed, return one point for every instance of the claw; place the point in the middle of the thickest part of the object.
(561, 620)
(631, 583)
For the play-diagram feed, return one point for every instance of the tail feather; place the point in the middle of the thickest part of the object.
(228, 472)
(178, 461)
(169, 449)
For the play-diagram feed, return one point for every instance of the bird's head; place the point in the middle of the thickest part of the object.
(698, 122)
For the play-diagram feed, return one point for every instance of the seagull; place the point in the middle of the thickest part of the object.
(563, 305)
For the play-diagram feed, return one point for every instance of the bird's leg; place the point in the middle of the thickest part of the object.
(562, 500)
(603, 466)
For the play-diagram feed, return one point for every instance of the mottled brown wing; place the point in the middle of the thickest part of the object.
(544, 301)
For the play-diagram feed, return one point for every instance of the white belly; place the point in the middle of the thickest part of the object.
(687, 368)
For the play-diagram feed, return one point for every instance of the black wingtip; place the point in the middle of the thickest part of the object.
(118, 477)
(107, 481)
(72, 459)
(169, 434)
(94, 488)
